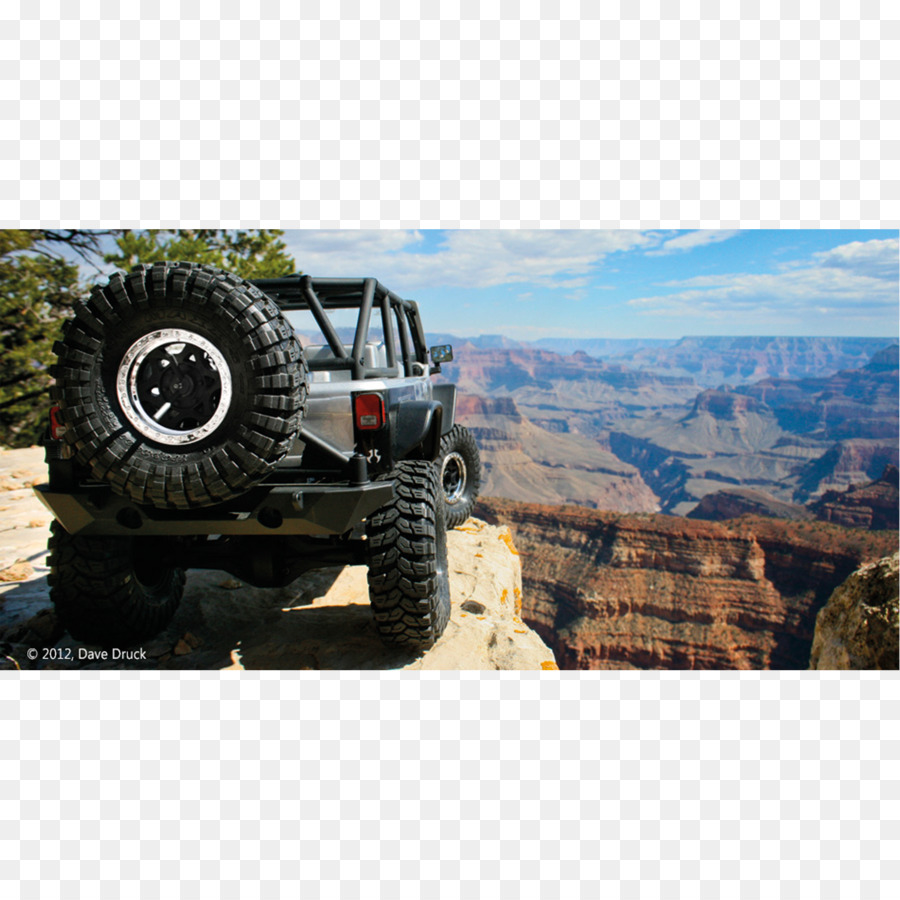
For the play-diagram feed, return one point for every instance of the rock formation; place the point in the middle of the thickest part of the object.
(792, 439)
(855, 403)
(522, 460)
(322, 620)
(858, 627)
(711, 361)
(875, 505)
(734, 502)
(329, 625)
(507, 370)
(609, 591)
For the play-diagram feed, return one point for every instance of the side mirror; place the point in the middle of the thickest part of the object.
(441, 353)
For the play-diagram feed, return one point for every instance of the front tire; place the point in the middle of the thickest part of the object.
(459, 468)
(107, 592)
(406, 550)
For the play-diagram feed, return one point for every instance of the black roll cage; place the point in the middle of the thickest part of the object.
(318, 295)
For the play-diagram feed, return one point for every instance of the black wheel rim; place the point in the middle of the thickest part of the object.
(174, 386)
(453, 477)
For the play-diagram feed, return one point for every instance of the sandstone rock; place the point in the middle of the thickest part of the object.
(182, 648)
(21, 537)
(20, 570)
(231, 584)
(334, 629)
(858, 627)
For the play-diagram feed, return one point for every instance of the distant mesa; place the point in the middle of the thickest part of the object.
(874, 506)
(886, 360)
(468, 405)
(725, 404)
(735, 502)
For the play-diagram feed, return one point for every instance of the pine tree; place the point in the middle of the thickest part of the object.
(258, 254)
(254, 253)
(37, 288)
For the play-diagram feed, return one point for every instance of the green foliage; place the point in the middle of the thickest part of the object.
(255, 253)
(258, 254)
(37, 288)
(136, 247)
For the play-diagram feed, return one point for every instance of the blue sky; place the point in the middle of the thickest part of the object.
(624, 284)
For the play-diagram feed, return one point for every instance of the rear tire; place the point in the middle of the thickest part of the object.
(459, 469)
(406, 551)
(179, 384)
(105, 593)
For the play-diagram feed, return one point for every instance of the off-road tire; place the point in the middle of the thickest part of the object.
(99, 594)
(250, 367)
(406, 550)
(459, 471)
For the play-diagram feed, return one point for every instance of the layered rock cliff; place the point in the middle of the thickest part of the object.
(873, 505)
(858, 627)
(610, 591)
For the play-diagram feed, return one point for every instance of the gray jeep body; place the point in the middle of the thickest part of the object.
(307, 513)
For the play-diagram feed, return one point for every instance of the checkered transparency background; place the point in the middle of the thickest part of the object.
(473, 114)
(519, 785)
(450, 114)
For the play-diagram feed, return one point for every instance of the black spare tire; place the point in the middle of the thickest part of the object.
(179, 384)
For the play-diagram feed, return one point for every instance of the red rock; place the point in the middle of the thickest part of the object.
(873, 506)
(608, 591)
(735, 502)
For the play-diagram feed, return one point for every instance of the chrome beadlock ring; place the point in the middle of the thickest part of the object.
(174, 386)
(453, 477)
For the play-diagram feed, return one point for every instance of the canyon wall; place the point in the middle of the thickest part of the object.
(611, 591)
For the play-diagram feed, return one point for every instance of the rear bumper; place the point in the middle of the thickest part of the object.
(265, 510)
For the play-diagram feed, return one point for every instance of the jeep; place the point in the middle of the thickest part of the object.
(265, 428)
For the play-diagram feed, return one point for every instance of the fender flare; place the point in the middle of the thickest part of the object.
(417, 430)
(445, 394)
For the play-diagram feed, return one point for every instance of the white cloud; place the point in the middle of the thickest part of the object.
(691, 240)
(857, 279)
(878, 259)
(562, 259)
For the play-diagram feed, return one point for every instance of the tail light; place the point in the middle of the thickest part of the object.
(368, 412)
(57, 429)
